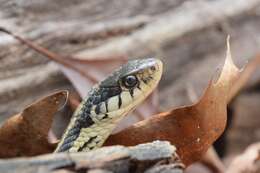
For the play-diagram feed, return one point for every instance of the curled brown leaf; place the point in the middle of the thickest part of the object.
(26, 134)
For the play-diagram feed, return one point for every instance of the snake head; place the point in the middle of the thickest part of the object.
(108, 102)
(129, 85)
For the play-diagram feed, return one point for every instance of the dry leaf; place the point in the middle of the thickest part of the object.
(210, 159)
(192, 129)
(26, 134)
(248, 162)
(85, 72)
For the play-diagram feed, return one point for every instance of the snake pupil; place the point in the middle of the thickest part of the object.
(153, 68)
(130, 81)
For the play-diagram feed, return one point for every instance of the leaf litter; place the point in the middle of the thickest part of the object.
(192, 129)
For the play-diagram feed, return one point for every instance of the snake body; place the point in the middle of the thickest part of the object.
(108, 102)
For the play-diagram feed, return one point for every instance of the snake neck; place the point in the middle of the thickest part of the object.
(86, 133)
(80, 119)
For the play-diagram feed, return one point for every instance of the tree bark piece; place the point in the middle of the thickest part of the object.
(149, 157)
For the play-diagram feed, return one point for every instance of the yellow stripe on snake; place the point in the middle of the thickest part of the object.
(108, 102)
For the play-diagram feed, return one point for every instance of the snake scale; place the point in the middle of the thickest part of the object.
(108, 102)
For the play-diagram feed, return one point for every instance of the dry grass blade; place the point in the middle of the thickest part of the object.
(69, 62)
(192, 129)
(26, 134)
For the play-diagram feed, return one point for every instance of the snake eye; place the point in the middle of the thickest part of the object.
(153, 68)
(130, 81)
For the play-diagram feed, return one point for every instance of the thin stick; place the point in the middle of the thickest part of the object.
(51, 55)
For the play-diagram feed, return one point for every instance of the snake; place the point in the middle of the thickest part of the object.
(108, 102)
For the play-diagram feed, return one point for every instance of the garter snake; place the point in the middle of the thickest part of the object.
(108, 102)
